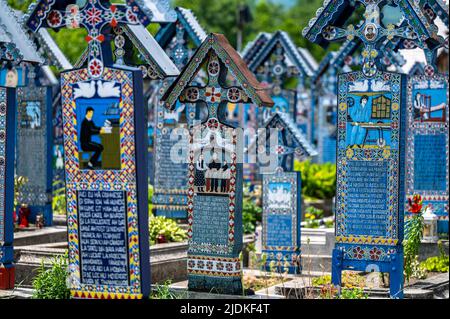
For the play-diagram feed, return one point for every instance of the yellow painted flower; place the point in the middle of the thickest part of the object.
(395, 106)
(350, 153)
(342, 106)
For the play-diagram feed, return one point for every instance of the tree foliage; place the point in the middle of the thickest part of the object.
(218, 16)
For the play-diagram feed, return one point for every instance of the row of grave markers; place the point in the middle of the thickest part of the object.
(110, 196)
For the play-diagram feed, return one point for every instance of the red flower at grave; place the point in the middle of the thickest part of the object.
(415, 204)
(375, 253)
(358, 253)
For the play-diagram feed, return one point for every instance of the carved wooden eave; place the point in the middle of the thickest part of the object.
(234, 63)
(14, 42)
(290, 50)
(190, 23)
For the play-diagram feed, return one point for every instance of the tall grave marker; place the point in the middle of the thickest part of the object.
(179, 40)
(215, 164)
(15, 49)
(281, 218)
(34, 147)
(428, 141)
(371, 136)
(428, 124)
(106, 173)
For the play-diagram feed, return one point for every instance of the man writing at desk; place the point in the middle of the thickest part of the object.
(88, 129)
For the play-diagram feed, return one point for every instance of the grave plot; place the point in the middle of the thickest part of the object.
(215, 165)
(371, 135)
(106, 173)
(15, 49)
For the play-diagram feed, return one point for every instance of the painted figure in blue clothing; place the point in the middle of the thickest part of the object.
(359, 115)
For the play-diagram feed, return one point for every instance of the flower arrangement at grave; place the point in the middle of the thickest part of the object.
(413, 234)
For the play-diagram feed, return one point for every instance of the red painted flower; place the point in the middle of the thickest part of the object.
(375, 253)
(96, 67)
(358, 253)
(54, 18)
(415, 204)
(94, 16)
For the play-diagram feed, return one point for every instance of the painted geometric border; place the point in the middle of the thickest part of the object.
(391, 156)
(3, 127)
(211, 248)
(214, 266)
(426, 128)
(116, 180)
(283, 177)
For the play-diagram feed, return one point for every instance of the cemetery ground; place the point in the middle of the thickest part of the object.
(40, 255)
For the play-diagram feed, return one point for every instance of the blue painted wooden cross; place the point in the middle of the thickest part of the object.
(96, 17)
(383, 21)
(371, 136)
(15, 48)
(215, 165)
(105, 170)
(282, 195)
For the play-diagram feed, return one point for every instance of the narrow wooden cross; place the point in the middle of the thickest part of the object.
(95, 17)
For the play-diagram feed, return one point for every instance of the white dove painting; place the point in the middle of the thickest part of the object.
(380, 86)
(359, 86)
(279, 196)
(84, 90)
(108, 89)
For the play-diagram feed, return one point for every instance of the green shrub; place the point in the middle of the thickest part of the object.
(162, 226)
(150, 198)
(51, 283)
(162, 291)
(437, 263)
(251, 213)
(59, 201)
(312, 216)
(349, 280)
(353, 293)
(318, 180)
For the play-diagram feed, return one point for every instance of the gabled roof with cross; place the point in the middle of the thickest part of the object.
(299, 139)
(189, 22)
(14, 39)
(145, 10)
(291, 52)
(253, 47)
(337, 12)
(336, 59)
(234, 63)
